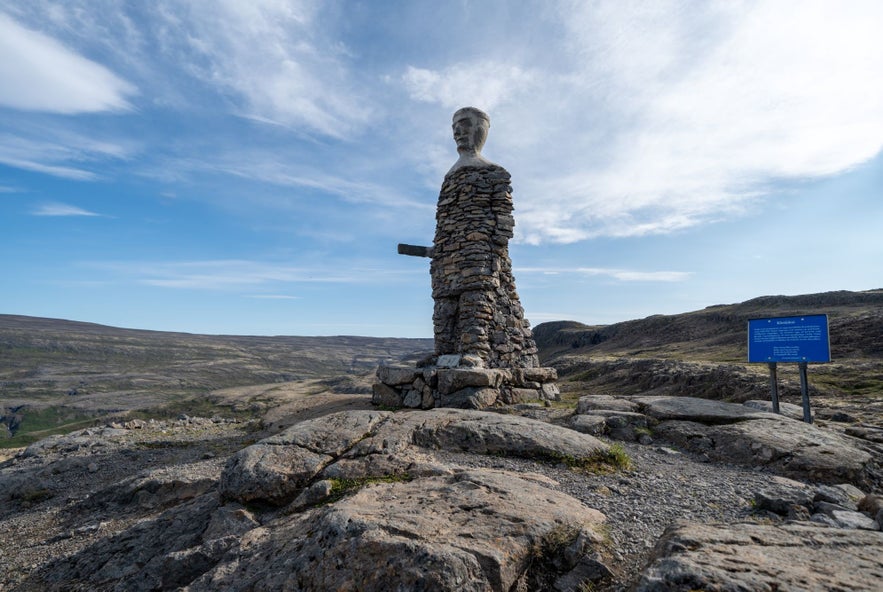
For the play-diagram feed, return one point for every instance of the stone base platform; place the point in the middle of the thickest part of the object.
(453, 381)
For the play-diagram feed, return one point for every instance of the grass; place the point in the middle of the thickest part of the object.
(343, 487)
(602, 461)
(37, 424)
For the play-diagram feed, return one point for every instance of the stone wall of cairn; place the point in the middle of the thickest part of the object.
(485, 354)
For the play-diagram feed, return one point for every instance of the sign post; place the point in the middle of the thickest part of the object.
(802, 339)
(774, 387)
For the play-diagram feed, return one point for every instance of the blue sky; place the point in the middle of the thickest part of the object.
(249, 167)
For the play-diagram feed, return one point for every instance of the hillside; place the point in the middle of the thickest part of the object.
(60, 375)
(703, 353)
(719, 332)
(56, 374)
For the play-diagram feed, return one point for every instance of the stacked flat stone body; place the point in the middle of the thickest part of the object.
(477, 310)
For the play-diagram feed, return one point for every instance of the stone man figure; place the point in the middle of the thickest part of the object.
(477, 312)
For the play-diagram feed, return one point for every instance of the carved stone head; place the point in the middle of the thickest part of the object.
(470, 129)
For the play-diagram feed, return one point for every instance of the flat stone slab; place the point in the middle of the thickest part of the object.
(793, 557)
(700, 410)
(589, 403)
(790, 448)
(786, 409)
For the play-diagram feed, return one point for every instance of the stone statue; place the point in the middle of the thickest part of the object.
(484, 349)
(477, 311)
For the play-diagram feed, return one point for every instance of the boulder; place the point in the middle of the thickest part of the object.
(790, 448)
(795, 556)
(367, 508)
(470, 398)
(594, 425)
(474, 530)
(385, 396)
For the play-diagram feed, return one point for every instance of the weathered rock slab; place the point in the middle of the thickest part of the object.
(790, 448)
(360, 444)
(475, 530)
(493, 433)
(703, 411)
(786, 409)
(741, 557)
(604, 402)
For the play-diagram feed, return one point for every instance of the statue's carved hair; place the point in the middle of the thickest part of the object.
(472, 111)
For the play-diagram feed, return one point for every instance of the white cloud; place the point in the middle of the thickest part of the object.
(56, 152)
(623, 275)
(41, 74)
(659, 116)
(276, 56)
(61, 209)
(484, 84)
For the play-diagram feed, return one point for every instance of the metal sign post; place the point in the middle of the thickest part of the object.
(801, 339)
(804, 392)
(774, 387)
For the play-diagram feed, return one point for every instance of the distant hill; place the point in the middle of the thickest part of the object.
(720, 332)
(56, 374)
(50, 355)
(704, 353)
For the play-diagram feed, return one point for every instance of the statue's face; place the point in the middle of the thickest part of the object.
(469, 133)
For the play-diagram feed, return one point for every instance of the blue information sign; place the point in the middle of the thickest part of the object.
(789, 339)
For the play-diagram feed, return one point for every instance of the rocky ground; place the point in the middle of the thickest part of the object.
(713, 496)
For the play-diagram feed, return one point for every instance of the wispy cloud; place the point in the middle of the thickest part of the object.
(273, 297)
(61, 209)
(237, 274)
(623, 275)
(485, 83)
(275, 56)
(57, 152)
(41, 74)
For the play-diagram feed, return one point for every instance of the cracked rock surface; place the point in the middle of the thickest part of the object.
(435, 500)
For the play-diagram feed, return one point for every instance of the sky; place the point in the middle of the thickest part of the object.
(231, 167)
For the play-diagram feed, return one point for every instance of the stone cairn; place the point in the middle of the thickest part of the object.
(485, 354)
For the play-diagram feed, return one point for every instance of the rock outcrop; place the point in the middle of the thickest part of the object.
(729, 432)
(797, 556)
(355, 500)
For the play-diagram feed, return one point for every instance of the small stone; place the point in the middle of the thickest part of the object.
(386, 396)
(412, 399)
